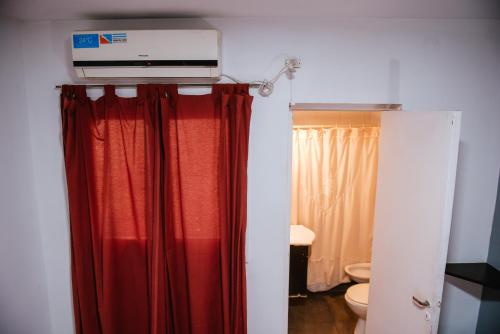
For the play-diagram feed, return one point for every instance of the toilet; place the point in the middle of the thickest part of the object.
(356, 298)
(359, 272)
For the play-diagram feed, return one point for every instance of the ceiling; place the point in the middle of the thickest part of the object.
(95, 9)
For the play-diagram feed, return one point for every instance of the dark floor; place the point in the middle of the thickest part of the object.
(321, 313)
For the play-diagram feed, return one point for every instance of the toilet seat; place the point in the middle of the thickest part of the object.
(358, 293)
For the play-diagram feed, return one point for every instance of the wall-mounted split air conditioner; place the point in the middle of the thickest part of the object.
(147, 53)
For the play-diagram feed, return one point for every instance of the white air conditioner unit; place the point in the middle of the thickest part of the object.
(147, 54)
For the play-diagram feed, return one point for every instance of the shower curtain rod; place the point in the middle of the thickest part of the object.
(332, 126)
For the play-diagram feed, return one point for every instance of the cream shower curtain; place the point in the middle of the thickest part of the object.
(334, 180)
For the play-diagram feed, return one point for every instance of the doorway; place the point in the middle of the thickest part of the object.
(334, 176)
(416, 171)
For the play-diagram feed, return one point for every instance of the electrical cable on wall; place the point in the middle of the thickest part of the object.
(266, 87)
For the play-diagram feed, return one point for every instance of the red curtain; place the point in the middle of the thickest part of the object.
(157, 198)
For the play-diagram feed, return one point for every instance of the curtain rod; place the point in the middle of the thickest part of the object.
(130, 85)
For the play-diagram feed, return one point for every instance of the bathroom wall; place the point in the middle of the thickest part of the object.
(489, 311)
(423, 64)
(23, 289)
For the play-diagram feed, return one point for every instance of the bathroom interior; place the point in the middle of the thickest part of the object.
(334, 177)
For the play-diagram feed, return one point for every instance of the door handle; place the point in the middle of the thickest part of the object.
(421, 304)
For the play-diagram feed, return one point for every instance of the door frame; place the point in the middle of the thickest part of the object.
(345, 107)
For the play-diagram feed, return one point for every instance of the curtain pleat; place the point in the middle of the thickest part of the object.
(334, 177)
(157, 197)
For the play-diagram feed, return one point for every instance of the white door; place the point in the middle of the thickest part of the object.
(416, 181)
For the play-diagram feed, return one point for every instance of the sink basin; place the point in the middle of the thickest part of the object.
(301, 235)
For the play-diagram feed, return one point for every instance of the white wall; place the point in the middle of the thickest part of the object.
(423, 64)
(23, 290)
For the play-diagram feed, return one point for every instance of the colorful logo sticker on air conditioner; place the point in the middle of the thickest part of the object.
(113, 38)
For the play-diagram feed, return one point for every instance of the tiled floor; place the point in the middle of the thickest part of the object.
(320, 313)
